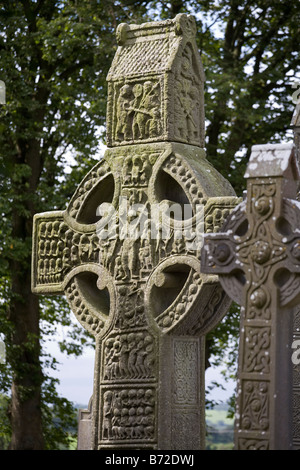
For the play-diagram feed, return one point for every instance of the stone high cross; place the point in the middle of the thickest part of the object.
(295, 125)
(140, 291)
(257, 258)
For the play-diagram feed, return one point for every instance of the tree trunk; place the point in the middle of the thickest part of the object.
(175, 7)
(25, 412)
(24, 315)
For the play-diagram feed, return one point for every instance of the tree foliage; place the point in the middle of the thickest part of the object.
(248, 71)
(54, 59)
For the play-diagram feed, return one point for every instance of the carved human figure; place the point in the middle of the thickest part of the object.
(146, 109)
(145, 257)
(154, 127)
(148, 422)
(136, 169)
(124, 423)
(137, 114)
(123, 129)
(116, 418)
(139, 433)
(123, 357)
(181, 124)
(107, 415)
(126, 172)
(109, 352)
(140, 357)
(145, 172)
(129, 258)
(133, 349)
(132, 422)
(149, 357)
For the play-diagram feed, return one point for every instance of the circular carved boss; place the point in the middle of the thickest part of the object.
(275, 248)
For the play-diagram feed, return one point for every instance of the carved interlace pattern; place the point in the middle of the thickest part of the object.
(259, 236)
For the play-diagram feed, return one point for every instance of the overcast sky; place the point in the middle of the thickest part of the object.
(76, 377)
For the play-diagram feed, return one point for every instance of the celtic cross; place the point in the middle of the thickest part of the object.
(257, 258)
(133, 278)
(295, 125)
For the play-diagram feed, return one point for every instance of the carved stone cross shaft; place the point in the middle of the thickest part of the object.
(133, 278)
(257, 257)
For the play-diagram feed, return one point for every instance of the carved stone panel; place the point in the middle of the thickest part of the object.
(128, 415)
(155, 84)
(296, 380)
(186, 394)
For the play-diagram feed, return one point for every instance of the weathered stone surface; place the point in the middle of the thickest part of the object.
(126, 254)
(155, 84)
(296, 380)
(257, 259)
(295, 125)
(85, 436)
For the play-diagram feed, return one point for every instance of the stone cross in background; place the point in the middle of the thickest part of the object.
(257, 258)
(295, 124)
(126, 250)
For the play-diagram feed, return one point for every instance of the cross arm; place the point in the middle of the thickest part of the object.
(218, 254)
(49, 250)
(58, 249)
(218, 257)
(66, 260)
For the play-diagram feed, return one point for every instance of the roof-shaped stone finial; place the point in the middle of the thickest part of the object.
(155, 84)
(271, 160)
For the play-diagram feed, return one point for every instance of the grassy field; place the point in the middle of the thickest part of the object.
(219, 429)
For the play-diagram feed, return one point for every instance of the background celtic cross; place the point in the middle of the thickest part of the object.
(143, 298)
(257, 257)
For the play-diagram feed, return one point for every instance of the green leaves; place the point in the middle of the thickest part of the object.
(251, 102)
(54, 60)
